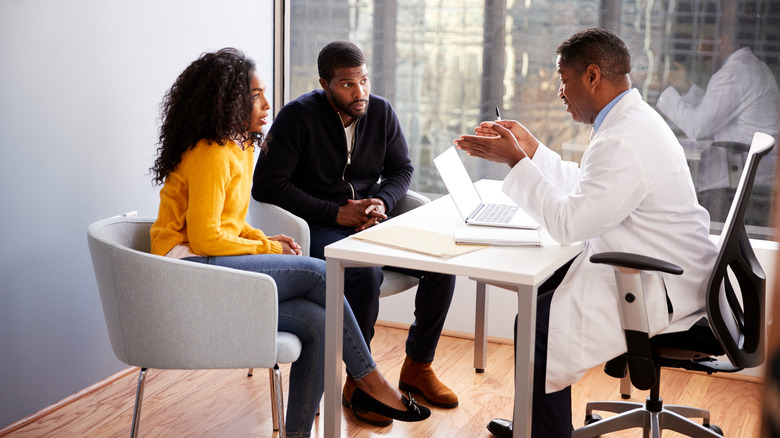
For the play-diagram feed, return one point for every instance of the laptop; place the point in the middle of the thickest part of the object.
(469, 202)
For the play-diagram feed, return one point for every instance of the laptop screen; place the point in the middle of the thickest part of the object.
(458, 182)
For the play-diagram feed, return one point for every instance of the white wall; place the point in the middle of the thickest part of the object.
(80, 87)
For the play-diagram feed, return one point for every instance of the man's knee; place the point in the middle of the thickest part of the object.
(362, 284)
(443, 284)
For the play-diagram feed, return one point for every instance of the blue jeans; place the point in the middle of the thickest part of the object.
(361, 288)
(300, 283)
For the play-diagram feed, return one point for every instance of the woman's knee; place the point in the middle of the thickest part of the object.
(303, 318)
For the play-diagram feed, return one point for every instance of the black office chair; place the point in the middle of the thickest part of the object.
(734, 326)
(718, 201)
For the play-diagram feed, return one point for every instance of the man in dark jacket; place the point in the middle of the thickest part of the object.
(337, 158)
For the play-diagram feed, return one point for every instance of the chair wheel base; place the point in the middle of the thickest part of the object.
(592, 418)
(714, 428)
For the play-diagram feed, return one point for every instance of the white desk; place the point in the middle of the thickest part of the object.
(518, 269)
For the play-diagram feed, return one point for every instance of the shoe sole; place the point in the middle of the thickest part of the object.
(358, 415)
(409, 388)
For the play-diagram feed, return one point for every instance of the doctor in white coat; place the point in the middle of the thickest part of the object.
(740, 100)
(632, 192)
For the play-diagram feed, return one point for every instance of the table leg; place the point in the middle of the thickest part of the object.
(480, 329)
(525, 339)
(334, 339)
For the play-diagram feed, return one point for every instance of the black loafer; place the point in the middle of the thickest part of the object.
(500, 428)
(362, 402)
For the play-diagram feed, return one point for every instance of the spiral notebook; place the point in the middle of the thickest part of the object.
(496, 236)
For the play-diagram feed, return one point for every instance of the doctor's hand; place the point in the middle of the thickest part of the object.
(525, 139)
(288, 244)
(494, 142)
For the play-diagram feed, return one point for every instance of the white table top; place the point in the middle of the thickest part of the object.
(529, 266)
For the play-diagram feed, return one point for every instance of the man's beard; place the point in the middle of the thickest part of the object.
(346, 109)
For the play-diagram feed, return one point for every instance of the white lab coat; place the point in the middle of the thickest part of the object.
(633, 192)
(741, 99)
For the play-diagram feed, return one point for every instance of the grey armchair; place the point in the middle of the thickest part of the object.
(275, 220)
(172, 314)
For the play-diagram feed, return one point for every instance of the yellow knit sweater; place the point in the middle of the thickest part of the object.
(204, 201)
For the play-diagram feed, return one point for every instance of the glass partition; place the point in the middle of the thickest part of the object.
(446, 64)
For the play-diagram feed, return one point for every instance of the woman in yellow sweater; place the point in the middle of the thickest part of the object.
(211, 119)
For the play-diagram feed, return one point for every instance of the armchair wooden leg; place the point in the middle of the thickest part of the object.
(250, 372)
(139, 395)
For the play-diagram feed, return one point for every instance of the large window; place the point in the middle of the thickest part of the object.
(446, 64)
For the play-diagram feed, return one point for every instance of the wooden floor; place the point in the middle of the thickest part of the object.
(227, 403)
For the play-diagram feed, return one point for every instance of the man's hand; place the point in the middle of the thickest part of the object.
(288, 244)
(505, 141)
(361, 214)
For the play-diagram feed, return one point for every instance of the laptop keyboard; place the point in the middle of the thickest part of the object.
(496, 213)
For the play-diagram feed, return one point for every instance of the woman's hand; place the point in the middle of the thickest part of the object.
(288, 244)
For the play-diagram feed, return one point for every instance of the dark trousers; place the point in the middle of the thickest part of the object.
(551, 413)
(361, 288)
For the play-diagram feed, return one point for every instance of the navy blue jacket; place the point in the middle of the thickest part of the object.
(305, 169)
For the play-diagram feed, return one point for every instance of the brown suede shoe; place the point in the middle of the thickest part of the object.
(368, 417)
(419, 378)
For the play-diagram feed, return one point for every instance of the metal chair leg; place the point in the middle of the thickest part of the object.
(625, 387)
(277, 400)
(274, 407)
(139, 394)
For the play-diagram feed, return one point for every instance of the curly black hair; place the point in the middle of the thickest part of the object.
(211, 99)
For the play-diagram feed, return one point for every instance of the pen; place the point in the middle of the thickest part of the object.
(498, 114)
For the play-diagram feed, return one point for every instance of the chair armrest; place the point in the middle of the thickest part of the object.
(633, 312)
(273, 220)
(635, 261)
(409, 202)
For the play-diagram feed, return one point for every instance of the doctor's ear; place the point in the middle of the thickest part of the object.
(593, 73)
